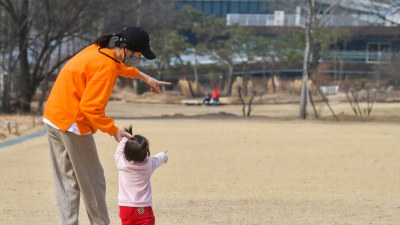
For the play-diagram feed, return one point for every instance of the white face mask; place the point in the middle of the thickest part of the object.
(131, 61)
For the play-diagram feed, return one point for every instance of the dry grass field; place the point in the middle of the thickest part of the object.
(134, 110)
(233, 172)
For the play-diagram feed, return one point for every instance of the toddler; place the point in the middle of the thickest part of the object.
(135, 170)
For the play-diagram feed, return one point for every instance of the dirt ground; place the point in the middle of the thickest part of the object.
(27, 124)
(233, 172)
(133, 110)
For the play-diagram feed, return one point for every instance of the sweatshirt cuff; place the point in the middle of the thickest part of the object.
(112, 131)
(134, 73)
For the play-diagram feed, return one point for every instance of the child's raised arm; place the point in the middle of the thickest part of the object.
(158, 159)
(119, 153)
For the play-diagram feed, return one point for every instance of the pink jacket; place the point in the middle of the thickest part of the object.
(134, 178)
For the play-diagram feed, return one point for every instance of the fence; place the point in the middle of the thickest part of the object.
(359, 56)
(13, 127)
(300, 20)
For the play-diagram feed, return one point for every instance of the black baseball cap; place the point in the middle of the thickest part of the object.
(137, 38)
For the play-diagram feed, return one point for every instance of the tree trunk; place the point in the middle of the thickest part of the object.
(272, 75)
(315, 59)
(25, 81)
(1, 71)
(139, 14)
(43, 96)
(307, 50)
(264, 79)
(230, 80)
(5, 102)
(196, 79)
(159, 72)
(44, 86)
(246, 78)
(186, 76)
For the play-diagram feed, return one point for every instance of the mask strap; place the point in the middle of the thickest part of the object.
(124, 55)
(109, 56)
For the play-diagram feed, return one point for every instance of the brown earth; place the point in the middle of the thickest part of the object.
(232, 172)
(27, 124)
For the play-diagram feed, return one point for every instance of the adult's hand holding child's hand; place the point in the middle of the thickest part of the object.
(119, 135)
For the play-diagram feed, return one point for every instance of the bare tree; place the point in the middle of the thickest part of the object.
(251, 104)
(178, 45)
(306, 61)
(317, 16)
(9, 58)
(245, 48)
(386, 10)
(277, 50)
(314, 20)
(212, 34)
(40, 27)
(47, 33)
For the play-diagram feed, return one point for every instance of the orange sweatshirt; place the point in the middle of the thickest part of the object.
(82, 90)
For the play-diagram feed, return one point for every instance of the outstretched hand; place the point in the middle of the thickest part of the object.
(167, 159)
(155, 85)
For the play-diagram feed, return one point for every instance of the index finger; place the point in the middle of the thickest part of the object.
(164, 83)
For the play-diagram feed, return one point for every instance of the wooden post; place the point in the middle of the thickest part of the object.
(16, 128)
(33, 121)
(8, 126)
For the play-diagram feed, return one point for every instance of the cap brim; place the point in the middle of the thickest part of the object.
(148, 54)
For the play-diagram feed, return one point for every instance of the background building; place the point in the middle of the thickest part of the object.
(373, 40)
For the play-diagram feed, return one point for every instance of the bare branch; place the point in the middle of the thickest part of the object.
(332, 6)
(241, 99)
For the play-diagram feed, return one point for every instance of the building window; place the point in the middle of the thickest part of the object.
(216, 9)
(234, 7)
(244, 7)
(224, 9)
(188, 3)
(197, 6)
(263, 9)
(378, 52)
(207, 8)
(180, 5)
(253, 7)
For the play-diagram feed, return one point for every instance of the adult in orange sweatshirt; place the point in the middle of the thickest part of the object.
(75, 110)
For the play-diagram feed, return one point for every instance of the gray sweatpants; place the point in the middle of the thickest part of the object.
(77, 169)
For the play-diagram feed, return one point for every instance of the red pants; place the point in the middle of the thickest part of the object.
(136, 215)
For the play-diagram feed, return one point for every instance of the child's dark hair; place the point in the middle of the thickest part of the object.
(136, 149)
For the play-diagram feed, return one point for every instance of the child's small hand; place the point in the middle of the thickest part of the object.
(167, 159)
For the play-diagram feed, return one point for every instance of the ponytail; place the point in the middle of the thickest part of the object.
(104, 40)
(128, 130)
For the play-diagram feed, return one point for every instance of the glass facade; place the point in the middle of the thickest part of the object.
(221, 8)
